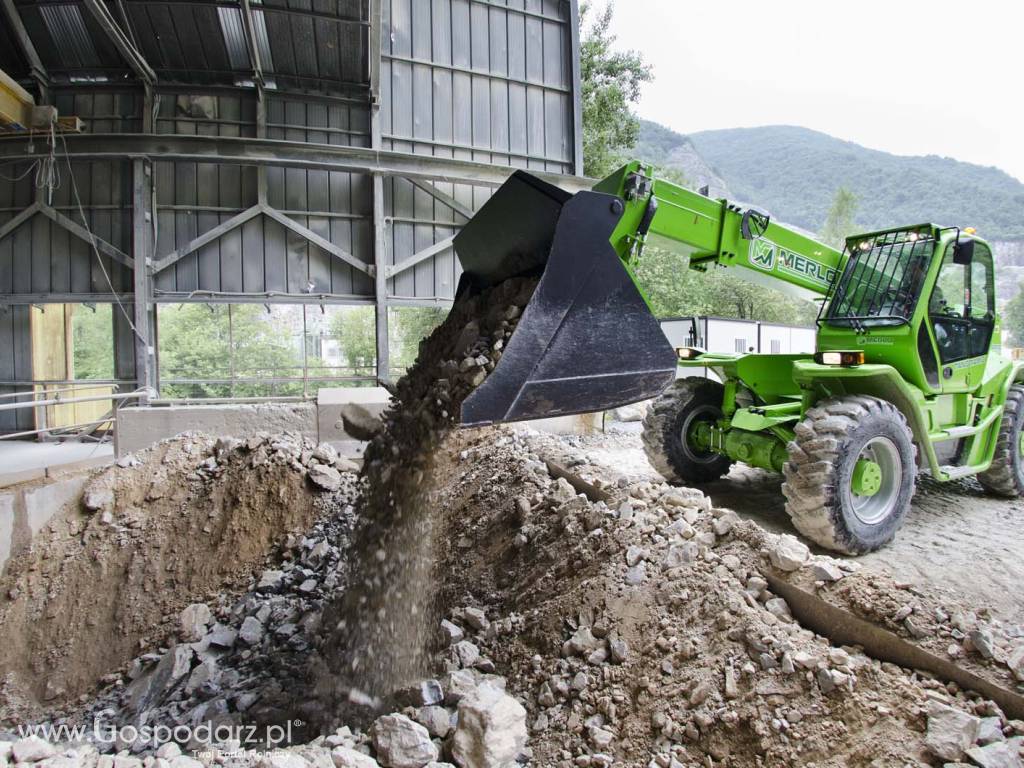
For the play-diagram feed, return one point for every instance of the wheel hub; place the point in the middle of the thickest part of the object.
(876, 480)
(867, 478)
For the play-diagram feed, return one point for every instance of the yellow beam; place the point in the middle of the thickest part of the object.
(15, 103)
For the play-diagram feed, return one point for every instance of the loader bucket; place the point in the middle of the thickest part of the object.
(586, 341)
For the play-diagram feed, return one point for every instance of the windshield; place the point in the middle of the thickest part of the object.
(882, 280)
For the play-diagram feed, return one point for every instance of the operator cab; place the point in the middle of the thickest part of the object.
(947, 273)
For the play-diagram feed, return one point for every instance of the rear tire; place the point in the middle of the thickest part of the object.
(665, 426)
(1006, 475)
(819, 486)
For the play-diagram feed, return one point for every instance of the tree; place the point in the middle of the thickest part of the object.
(93, 334)
(611, 83)
(1013, 319)
(409, 326)
(355, 328)
(197, 341)
(839, 222)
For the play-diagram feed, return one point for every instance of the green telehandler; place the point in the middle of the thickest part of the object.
(907, 372)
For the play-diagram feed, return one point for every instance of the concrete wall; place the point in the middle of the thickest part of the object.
(139, 428)
(25, 509)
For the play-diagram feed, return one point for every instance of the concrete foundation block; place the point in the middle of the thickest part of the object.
(329, 423)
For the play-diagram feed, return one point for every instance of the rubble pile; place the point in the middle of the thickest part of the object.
(460, 605)
(188, 520)
(641, 630)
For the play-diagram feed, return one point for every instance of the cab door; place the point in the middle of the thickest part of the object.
(961, 312)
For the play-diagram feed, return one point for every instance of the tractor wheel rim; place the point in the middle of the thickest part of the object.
(875, 508)
(700, 413)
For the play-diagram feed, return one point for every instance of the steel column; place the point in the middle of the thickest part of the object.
(141, 251)
(379, 224)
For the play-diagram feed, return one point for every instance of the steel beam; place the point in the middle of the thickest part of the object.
(39, 72)
(249, 25)
(21, 299)
(443, 197)
(207, 237)
(577, 87)
(287, 154)
(79, 231)
(416, 258)
(133, 58)
(317, 240)
(380, 242)
(20, 219)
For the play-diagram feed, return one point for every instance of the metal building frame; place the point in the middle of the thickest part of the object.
(418, 161)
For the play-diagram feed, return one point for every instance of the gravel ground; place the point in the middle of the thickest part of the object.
(955, 539)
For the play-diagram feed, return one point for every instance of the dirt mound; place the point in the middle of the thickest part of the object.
(184, 521)
(644, 628)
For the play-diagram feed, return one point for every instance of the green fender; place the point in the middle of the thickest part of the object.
(882, 381)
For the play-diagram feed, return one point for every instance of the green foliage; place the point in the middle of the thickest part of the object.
(610, 83)
(674, 290)
(1013, 319)
(409, 326)
(198, 342)
(355, 330)
(793, 172)
(839, 222)
(93, 342)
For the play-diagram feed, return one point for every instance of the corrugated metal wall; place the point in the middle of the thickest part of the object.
(469, 80)
(483, 80)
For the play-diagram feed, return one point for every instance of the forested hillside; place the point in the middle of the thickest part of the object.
(794, 173)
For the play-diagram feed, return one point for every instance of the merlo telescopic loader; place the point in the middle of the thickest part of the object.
(907, 372)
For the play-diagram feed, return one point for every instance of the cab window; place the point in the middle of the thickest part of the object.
(962, 305)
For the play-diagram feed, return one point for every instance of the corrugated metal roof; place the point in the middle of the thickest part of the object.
(318, 45)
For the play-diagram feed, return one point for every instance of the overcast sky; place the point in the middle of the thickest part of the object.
(905, 76)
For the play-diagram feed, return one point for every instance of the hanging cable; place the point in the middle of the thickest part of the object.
(95, 250)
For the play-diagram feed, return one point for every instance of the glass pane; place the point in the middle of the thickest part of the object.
(982, 283)
(93, 332)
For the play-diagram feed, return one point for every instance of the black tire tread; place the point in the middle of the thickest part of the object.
(658, 422)
(1002, 477)
(810, 487)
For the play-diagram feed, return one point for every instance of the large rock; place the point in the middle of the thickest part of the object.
(32, 750)
(359, 422)
(194, 621)
(251, 632)
(148, 689)
(950, 732)
(325, 477)
(998, 755)
(491, 731)
(344, 757)
(401, 743)
(788, 553)
(1016, 661)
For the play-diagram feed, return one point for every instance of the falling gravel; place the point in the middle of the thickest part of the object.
(387, 619)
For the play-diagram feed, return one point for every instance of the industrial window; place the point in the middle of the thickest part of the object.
(256, 350)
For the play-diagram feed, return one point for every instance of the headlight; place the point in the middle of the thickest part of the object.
(688, 353)
(840, 358)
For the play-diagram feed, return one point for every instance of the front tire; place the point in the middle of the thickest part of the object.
(667, 422)
(851, 473)
(1006, 475)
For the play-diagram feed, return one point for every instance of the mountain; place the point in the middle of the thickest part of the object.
(794, 172)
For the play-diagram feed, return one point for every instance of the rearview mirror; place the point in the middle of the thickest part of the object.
(963, 252)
